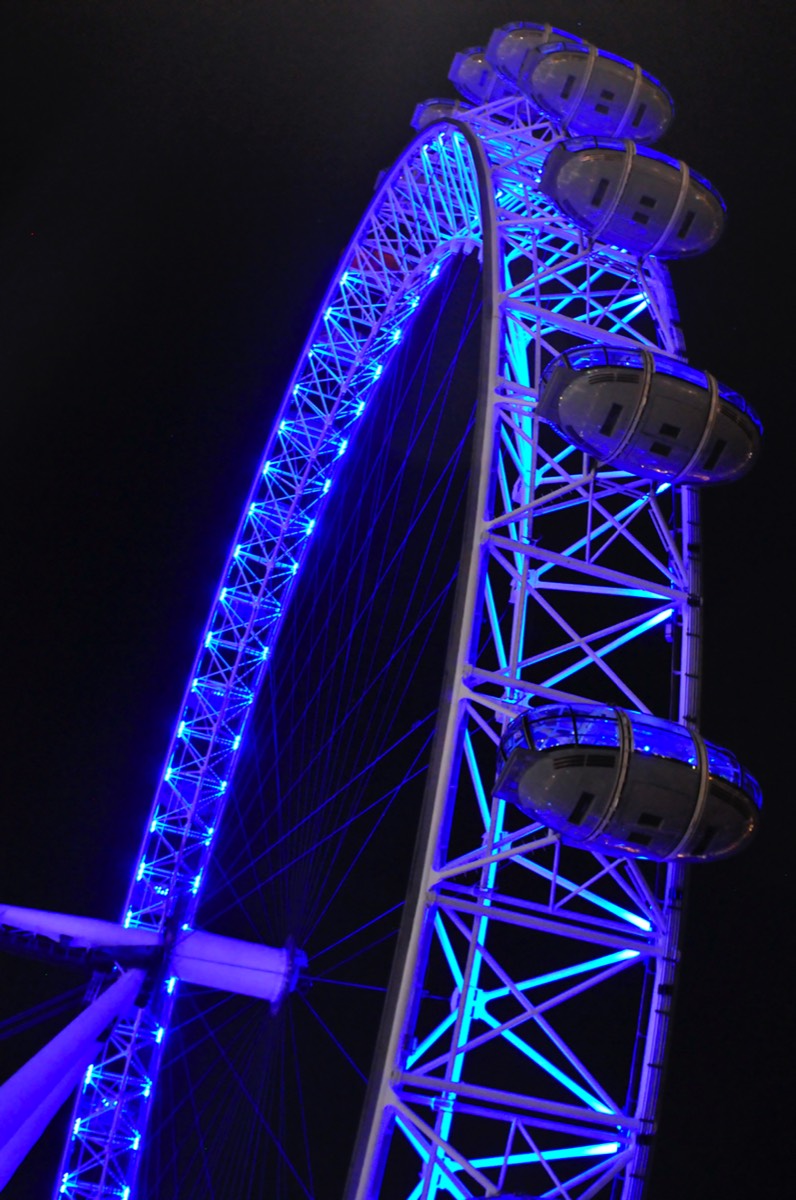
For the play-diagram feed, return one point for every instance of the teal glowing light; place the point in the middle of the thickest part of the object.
(554, 1155)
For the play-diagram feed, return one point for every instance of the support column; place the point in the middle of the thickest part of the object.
(81, 931)
(31, 1097)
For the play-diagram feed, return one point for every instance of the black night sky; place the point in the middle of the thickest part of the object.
(179, 181)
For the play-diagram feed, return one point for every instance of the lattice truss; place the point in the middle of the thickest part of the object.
(528, 957)
(526, 1055)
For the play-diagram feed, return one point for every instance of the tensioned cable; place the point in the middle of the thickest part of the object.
(417, 620)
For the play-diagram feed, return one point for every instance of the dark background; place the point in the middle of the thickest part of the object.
(180, 179)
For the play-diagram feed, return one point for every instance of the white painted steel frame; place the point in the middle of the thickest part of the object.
(565, 566)
(568, 566)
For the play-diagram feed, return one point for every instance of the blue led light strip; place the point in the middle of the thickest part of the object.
(388, 270)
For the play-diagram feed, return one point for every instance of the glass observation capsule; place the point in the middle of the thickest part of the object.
(512, 48)
(429, 111)
(635, 199)
(477, 79)
(628, 783)
(649, 414)
(593, 92)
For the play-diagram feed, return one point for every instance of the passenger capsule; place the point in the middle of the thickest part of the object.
(590, 91)
(627, 783)
(430, 111)
(477, 79)
(512, 46)
(636, 199)
(649, 414)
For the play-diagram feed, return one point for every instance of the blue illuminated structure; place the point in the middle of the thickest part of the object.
(579, 587)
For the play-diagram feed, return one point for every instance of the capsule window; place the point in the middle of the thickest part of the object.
(688, 221)
(600, 760)
(599, 192)
(650, 819)
(639, 117)
(609, 424)
(604, 109)
(581, 808)
(671, 431)
(715, 454)
(640, 839)
(662, 449)
(566, 90)
(707, 837)
(642, 218)
(564, 762)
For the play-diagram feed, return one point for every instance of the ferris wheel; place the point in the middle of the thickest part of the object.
(524, 1029)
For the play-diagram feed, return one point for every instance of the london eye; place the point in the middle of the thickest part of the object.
(582, 545)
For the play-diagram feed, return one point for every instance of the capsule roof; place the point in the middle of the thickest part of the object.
(429, 111)
(509, 46)
(580, 723)
(477, 79)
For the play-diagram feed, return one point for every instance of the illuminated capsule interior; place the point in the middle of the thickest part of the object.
(627, 783)
(429, 111)
(511, 47)
(649, 414)
(652, 204)
(591, 91)
(477, 79)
